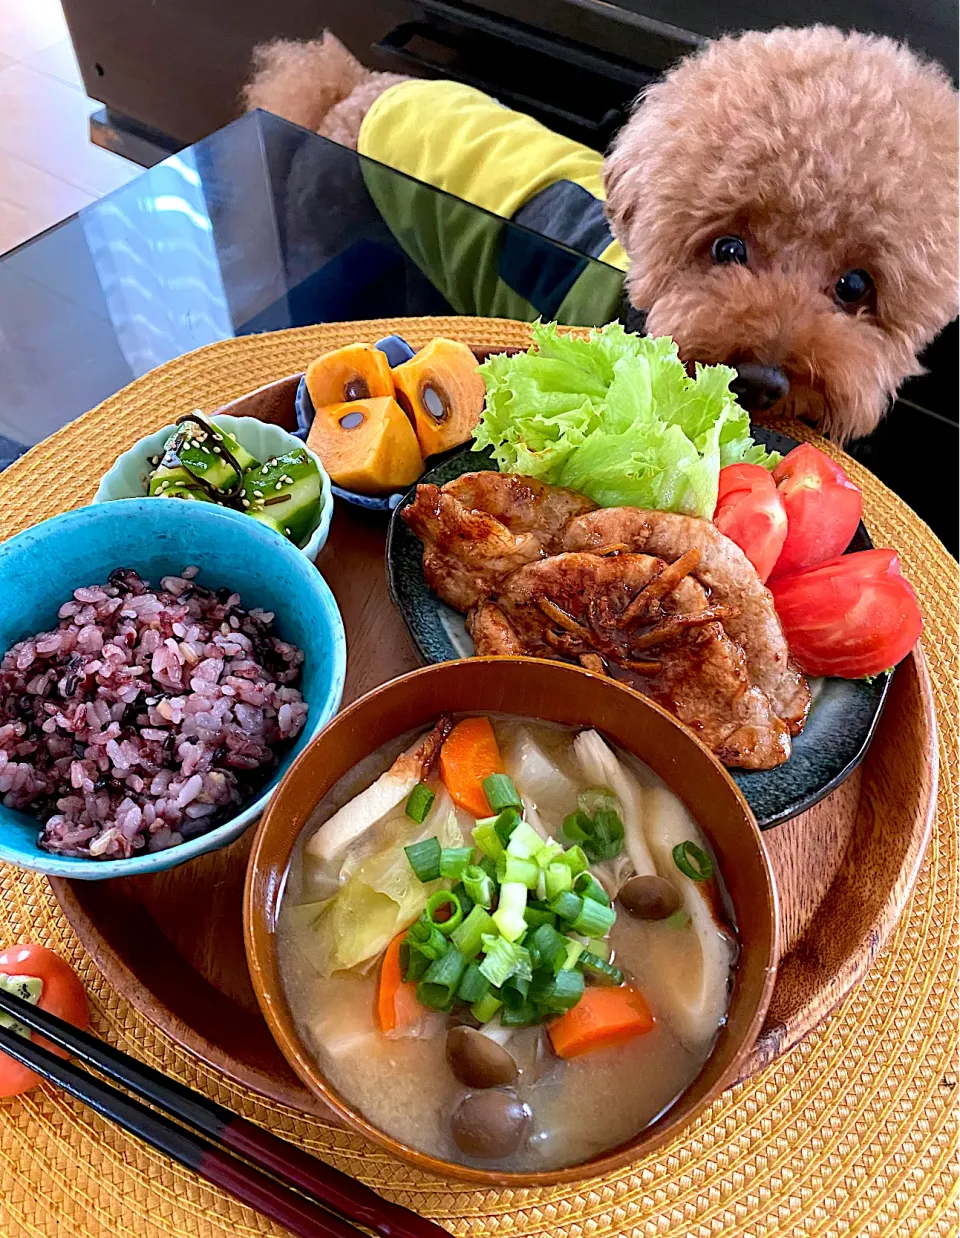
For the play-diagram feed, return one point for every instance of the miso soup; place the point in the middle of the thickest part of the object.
(506, 942)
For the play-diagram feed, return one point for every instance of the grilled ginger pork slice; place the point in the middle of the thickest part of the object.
(650, 622)
(482, 526)
(729, 575)
(466, 557)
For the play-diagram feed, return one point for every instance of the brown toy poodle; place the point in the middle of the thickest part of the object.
(787, 203)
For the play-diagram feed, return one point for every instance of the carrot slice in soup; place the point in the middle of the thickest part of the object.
(469, 754)
(602, 1017)
(397, 1005)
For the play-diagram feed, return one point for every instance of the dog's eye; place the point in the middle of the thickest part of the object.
(853, 287)
(729, 249)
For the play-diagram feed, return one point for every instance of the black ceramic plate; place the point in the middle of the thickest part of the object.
(843, 714)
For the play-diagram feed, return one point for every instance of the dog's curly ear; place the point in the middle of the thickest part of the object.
(620, 206)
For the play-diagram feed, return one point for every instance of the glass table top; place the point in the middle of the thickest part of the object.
(263, 226)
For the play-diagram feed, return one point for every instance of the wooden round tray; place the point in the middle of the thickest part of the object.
(172, 943)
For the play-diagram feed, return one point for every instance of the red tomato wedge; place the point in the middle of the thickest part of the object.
(823, 509)
(750, 512)
(62, 995)
(855, 615)
(735, 477)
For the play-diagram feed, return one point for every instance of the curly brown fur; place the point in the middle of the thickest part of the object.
(825, 152)
(318, 85)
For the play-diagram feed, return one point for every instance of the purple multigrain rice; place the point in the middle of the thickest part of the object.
(146, 717)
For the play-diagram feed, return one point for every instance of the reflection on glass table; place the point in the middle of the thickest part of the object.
(264, 226)
(259, 227)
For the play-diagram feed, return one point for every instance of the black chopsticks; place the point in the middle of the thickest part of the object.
(187, 1140)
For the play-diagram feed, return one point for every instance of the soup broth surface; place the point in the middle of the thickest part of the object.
(579, 1107)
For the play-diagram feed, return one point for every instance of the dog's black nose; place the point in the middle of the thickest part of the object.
(759, 386)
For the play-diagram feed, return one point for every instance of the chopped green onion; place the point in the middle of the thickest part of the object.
(594, 920)
(541, 890)
(468, 936)
(424, 858)
(692, 861)
(575, 860)
(600, 947)
(501, 793)
(436, 903)
(524, 842)
(680, 919)
(548, 853)
(427, 938)
(573, 949)
(466, 902)
(509, 914)
(599, 969)
(473, 985)
(420, 802)
(551, 946)
(413, 963)
(478, 885)
(506, 823)
(453, 860)
(607, 838)
(512, 868)
(521, 1016)
(486, 1008)
(513, 991)
(557, 878)
(597, 799)
(557, 994)
(589, 887)
(566, 905)
(490, 868)
(504, 959)
(438, 987)
(537, 916)
(485, 837)
(577, 827)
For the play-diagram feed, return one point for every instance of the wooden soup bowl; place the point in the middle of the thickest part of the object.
(552, 692)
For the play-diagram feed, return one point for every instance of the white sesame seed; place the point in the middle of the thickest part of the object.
(258, 494)
(246, 502)
(278, 485)
(216, 451)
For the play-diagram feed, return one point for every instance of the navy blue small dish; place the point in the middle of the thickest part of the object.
(843, 715)
(397, 351)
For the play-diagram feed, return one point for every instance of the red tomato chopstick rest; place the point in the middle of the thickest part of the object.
(751, 513)
(43, 978)
(822, 506)
(852, 616)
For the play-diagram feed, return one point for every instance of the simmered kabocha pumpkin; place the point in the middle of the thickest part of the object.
(367, 445)
(441, 390)
(357, 372)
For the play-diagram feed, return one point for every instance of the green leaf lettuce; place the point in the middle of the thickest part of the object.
(615, 416)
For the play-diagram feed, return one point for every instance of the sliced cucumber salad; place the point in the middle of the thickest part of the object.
(204, 463)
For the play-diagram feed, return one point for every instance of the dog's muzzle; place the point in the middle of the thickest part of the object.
(759, 386)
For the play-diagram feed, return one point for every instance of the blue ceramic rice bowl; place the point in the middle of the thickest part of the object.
(40, 568)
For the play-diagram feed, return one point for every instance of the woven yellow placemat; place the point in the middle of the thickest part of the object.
(851, 1132)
